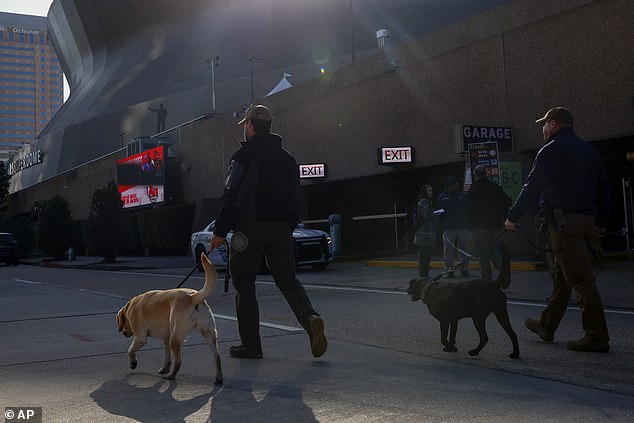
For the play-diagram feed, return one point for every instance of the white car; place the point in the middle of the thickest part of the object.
(312, 247)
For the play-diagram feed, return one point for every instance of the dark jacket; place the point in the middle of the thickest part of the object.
(570, 175)
(262, 185)
(454, 205)
(426, 232)
(487, 205)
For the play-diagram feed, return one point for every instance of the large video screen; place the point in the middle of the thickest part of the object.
(141, 178)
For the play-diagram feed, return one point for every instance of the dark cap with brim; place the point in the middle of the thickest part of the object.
(257, 112)
(560, 114)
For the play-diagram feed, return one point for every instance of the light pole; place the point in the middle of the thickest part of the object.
(211, 64)
(250, 59)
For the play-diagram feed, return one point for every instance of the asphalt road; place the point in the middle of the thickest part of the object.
(62, 352)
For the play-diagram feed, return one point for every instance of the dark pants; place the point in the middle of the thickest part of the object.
(275, 240)
(487, 250)
(572, 270)
(424, 255)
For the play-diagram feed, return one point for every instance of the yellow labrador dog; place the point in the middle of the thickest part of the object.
(171, 315)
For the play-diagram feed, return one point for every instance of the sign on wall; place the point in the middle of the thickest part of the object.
(317, 170)
(395, 155)
(472, 134)
(486, 154)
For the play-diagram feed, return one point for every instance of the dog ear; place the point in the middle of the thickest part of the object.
(121, 318)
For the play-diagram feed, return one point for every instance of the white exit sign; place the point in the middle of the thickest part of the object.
(395, 155)
(317, 170)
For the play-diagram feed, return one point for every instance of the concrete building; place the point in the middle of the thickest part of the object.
(498, 70)
(31, 81)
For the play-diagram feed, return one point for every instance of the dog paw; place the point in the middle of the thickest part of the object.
(450, 348)
(164, 370)
(219, 381)
(133, 364)
(514, 355)
(473, 353)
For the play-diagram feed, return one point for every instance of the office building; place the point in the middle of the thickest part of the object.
(31, 80)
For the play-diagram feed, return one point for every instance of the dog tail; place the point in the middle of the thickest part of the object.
(504, 278)
(211, 277)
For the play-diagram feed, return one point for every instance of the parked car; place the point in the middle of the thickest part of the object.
(312, 247)
(9, 253)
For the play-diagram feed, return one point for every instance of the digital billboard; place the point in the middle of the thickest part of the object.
(141, 178)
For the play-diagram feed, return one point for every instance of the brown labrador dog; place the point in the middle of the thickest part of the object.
(171, 315)
(449, 302)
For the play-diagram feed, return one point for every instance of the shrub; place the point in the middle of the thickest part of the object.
(104, 222)
(56, 228)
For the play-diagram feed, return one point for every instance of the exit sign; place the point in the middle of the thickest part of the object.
(395, 155)
(317, 170)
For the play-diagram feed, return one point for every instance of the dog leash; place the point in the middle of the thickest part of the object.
(193, 270)
(465, 253)
(532, 244)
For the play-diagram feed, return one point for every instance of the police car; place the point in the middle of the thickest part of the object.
(312, 247)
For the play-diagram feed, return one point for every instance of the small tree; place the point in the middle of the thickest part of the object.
(56, 228)
(104, 222)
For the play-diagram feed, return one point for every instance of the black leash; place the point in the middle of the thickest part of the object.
(531, 243)
(192, 271)
(224, 252)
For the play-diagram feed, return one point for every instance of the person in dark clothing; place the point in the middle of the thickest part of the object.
(161, 117)
(569, 173)
(487, 207)
(451, 206)
(262, 200)
(425, 236)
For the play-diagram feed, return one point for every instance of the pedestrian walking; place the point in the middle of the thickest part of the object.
(262, 200)
(487, 207)
(452, 207)
(569, 173)
(425, 237)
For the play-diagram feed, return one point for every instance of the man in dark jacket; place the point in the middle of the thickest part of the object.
(451, 205)
(487, 206)
(262, 201)
(569, 173)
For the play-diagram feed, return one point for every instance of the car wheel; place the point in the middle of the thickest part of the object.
(199, 250)
(320, 266)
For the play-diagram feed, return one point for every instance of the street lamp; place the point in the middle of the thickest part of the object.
(250, 59)
(211, 64)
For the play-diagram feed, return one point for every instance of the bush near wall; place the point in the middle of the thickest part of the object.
(166, 230)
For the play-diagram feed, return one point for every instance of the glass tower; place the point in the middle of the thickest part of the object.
(31, 80)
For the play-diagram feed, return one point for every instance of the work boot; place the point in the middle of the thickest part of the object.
(588, 346)
(240, 351)
(318, 341)
(533, 326)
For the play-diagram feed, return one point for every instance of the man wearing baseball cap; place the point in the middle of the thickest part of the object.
(569, 175)
(262, 200)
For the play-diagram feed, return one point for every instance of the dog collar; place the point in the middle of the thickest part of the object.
(423, 290)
